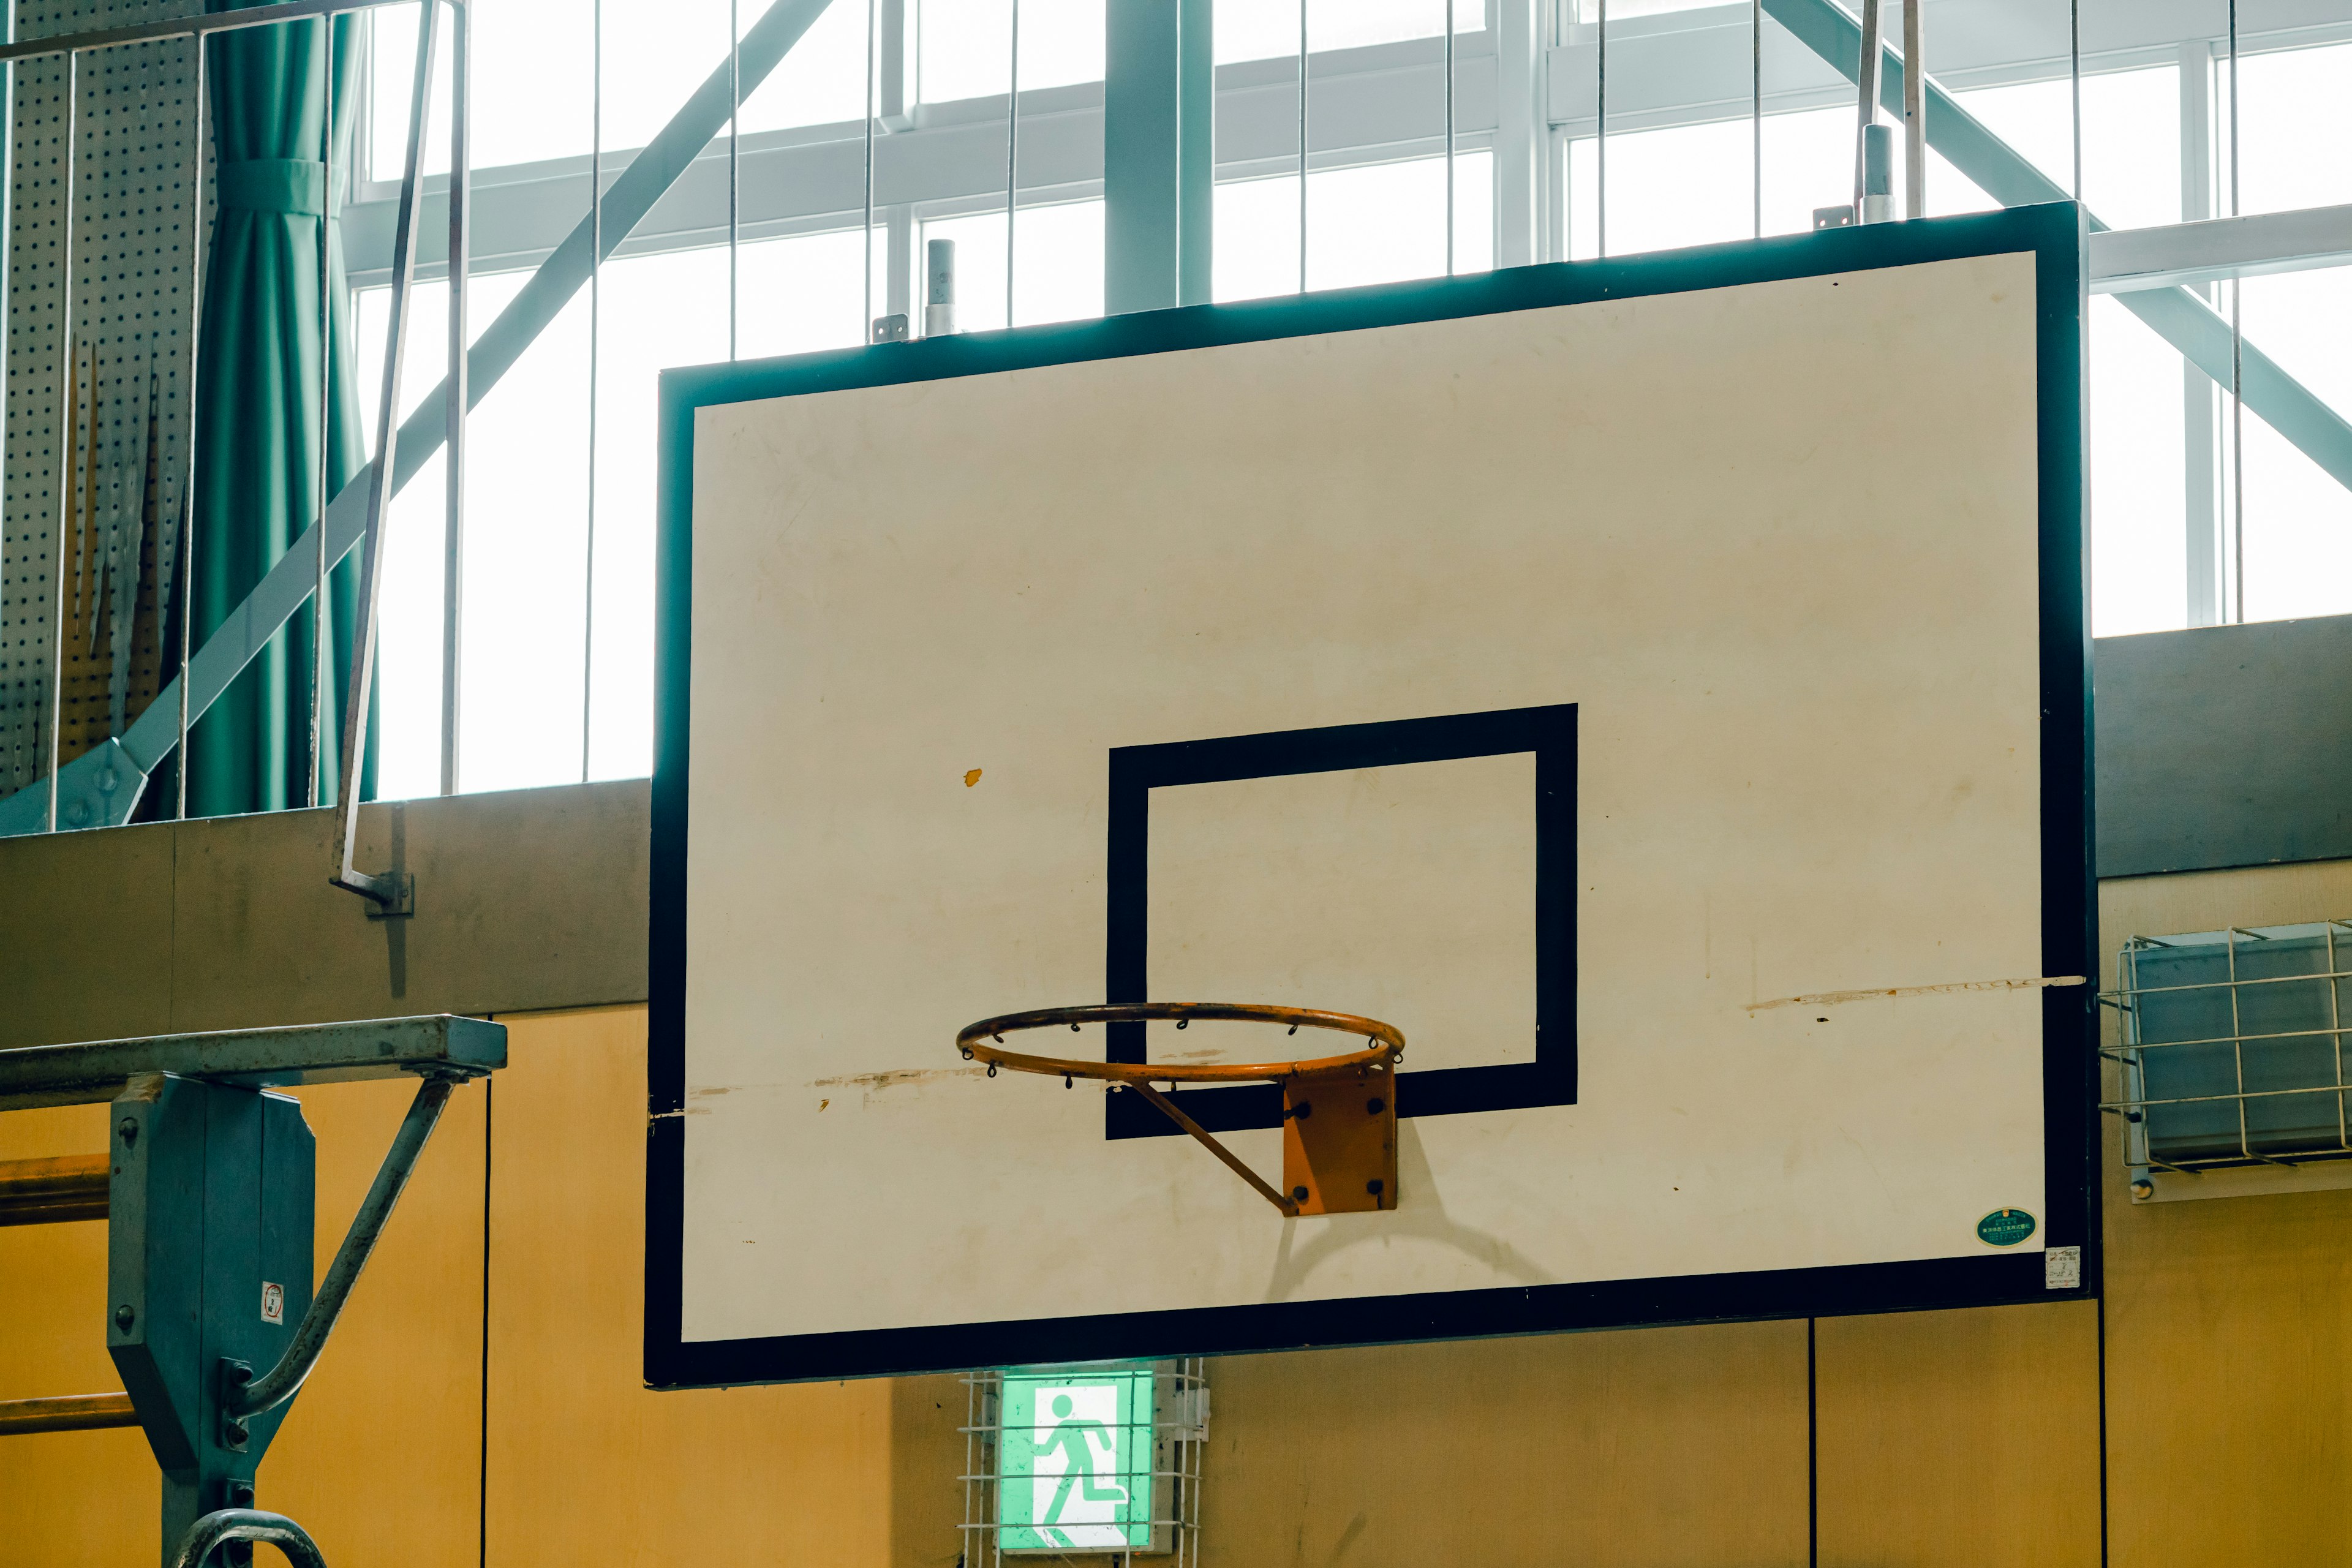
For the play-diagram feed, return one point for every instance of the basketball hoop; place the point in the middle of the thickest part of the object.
(1338, 1112)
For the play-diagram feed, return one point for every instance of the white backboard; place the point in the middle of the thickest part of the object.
(1573, 667)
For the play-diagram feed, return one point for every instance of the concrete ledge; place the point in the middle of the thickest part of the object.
(2224, 746)
(526, 901)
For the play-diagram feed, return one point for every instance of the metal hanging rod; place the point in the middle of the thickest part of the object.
(65, 1413)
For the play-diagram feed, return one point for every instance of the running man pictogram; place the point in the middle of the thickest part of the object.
(1076, 1439)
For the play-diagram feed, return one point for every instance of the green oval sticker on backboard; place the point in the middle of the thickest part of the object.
(2004, 1227)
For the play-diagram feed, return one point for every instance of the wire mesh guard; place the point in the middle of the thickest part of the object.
(1095, 1463)
(2232, 1049)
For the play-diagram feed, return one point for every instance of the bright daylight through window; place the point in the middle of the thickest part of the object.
(2203, 512)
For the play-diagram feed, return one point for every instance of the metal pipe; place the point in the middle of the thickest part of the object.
(2236, 1098)
(319, 628)
(187, 550)
(1449, 136)
(2074, 84)
(454, 407)
(1601, 136)
(52, 1192)
(868, 318)
(67, 472)
(2237, 364)
(595, 340)
(1232, 1162)
(278, 1385)
(734, 175)
(1914, 108)
(1302, 146)
(404, 276)
(70, 1412)
(1756, 105)
(214, 1530)
(1012, 156)
(1865, 80)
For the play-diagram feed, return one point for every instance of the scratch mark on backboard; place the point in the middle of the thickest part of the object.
(1829, 999)
(881, 1081)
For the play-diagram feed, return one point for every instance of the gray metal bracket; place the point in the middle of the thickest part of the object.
(245, 1399)
(395, 897)
(96, 1070)
(210, 1212)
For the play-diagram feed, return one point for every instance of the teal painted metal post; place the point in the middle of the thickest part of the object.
(210, 1205)
(1158, 153)
(1196, 168)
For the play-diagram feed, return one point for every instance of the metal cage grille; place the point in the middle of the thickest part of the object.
(1179, 1429)
(2233, 1048)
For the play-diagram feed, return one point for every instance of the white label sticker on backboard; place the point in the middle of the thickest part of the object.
(2062, 1268)
(273, 1302)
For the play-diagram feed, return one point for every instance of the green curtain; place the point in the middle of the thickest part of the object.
(257, 404)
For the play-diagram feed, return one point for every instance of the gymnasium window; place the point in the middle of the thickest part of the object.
(556, 682)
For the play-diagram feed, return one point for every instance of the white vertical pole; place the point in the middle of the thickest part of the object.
(1012, 155)
(1302, 146)
(595, 341)
(1914, 108)
(1449, 134)
(1600, 138)
(453, 577)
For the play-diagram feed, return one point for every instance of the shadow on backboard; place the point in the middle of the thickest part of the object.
(1420, 1215)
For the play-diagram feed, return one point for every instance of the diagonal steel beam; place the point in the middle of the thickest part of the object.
(2175, 314)
(100, 787)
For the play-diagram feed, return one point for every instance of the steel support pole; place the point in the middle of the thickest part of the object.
(381, 889)
(453, 538)
(1522, 134)
(1158, 150)
(1866, 110)
(1914, 108)
(68, 473)
(320, 630)
(186, 552)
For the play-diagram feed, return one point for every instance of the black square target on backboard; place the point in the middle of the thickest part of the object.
(1549, 732)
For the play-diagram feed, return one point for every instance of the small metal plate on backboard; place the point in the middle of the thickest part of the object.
(1338, 1142)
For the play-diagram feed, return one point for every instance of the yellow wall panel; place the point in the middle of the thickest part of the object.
(379, 1459)
(1678, 1447)
(585, 1463)
(927, 1457)
(66, 1498)
(1958, 1439)
(2229, 1319)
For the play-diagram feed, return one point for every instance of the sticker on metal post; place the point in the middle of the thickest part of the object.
(273, 1302)
(2004, 1227)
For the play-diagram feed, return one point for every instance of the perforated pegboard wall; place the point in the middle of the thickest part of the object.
(115, 418)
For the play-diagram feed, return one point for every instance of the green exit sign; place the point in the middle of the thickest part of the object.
(1075, 1461)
